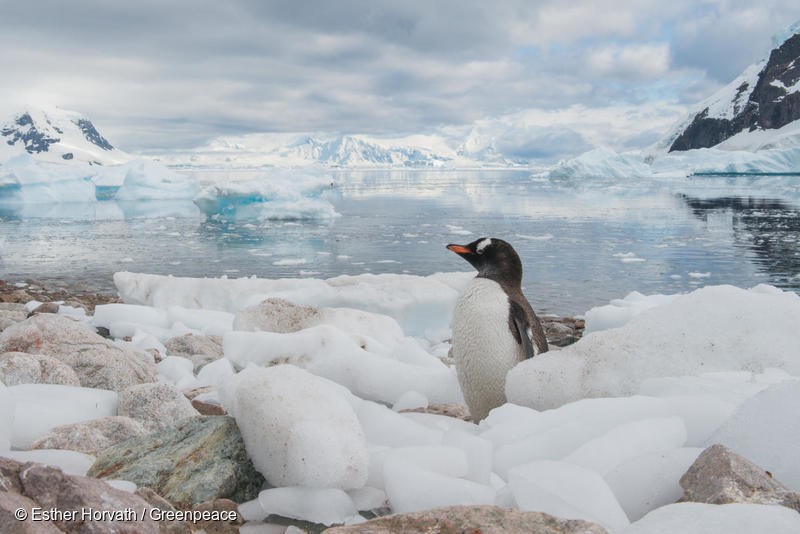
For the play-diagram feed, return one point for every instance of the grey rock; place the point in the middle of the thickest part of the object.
(9, 524)
(200, 349)
(22, 368)
(484, 519)
(720, 476)
(276, 315)
(91, 437)
(157, 405)
(200, 459)
(98, 362)
(48, 488)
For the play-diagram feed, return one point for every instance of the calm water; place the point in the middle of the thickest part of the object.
(582, 243)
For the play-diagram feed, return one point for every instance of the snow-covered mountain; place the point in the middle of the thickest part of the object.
(765, 97)
(57, 135)
(330, 150)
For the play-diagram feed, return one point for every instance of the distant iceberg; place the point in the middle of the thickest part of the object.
(277, 195)
(142, 179)
(24, 180)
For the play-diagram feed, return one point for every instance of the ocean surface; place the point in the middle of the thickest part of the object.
(583, 242)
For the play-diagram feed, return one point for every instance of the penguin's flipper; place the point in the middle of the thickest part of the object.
(521, 328)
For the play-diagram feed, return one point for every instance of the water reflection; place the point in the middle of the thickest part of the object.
(767, 227)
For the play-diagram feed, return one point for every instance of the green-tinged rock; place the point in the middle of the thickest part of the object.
(200, 459)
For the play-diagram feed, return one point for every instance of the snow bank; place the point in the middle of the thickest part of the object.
(278, 195)
(717, 328)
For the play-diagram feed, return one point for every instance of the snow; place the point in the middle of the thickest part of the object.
(603, 432)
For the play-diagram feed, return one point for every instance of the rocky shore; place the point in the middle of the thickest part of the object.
(176, 458)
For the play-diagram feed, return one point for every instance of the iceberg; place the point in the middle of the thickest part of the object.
(141, 179)
(278, 195)
(24, 180)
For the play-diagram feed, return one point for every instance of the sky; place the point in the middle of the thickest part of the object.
(165, 75)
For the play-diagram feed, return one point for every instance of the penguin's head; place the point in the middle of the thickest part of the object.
(493, 258)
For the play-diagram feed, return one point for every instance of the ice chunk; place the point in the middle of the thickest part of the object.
(422, 305)
(329, 352)
(318, 505)
(606, 452)
(25, 180)
(40, 407)
(368, 498)
(409, 401)
(6, 417)
(277, 195)
(209, 322)
(214, 373)
(383, 426)
(716, 328)
(566, 490)
(644, 483)
(620, 311)
(766, 431)
(106, 315)
(478, 452)
(411, 488)
(146, 180)
(601, 163)
(284, 414)
(698, 518)
(177, 371)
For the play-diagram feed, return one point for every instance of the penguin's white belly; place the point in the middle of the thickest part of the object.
(483, 347)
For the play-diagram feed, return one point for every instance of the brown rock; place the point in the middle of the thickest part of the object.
(45, 307)
(48, 488)
(208, 408)
(471, 519)
(22, 368)
(720, 476)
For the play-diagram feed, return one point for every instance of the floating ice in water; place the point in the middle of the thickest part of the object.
(40, 407)
(601, 163)
(141, 179)
(279, 195)
(24, 180)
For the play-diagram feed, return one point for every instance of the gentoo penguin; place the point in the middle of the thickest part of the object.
(494, 326)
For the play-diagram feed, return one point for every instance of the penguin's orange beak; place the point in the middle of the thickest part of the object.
(459, 249)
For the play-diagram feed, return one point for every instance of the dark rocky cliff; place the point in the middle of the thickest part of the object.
(773, 102)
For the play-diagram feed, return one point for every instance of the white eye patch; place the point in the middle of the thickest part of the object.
(482, 245)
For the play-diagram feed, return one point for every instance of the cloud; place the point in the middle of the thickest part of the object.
(155, 75)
